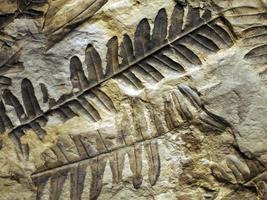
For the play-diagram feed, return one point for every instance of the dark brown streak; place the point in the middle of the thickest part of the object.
(200, 42)
(135, 157)
(180, 53)
(137, 126)
(123, 138)
(84, 147)
(49, 5)
(256, 36)
(102, 141)
(218, 34)
(241, 7)
(245, 15)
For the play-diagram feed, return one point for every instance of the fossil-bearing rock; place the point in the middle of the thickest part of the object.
(133, 99)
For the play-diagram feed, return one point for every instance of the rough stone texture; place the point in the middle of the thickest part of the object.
(196, 132)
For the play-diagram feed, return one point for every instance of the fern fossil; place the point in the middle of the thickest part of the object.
(9, 58)
(252, 17)
(190, 37)
(24, 8)
(248, 172)
(56, 28)
(256, 35)
(135, 133)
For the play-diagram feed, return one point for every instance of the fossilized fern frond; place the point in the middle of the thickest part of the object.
(256, 36)
(10, 51)
(250, 18)
(26, 7)
(134, 134)
(248, 172)
(242, 14)
(20, 8)
(172, 47)
(88, 105)
(57, 27)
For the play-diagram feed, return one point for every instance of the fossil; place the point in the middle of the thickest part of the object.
(256, 35)
(10, 51)
(56, 28)
(191, 36)
(94, 149)
(53, 27)
(248, 172)
(24, 8)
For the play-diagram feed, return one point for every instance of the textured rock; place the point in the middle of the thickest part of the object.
(175, 109)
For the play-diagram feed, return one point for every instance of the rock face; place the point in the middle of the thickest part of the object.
(127, 99)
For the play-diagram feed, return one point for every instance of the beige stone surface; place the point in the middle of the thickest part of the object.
(190, 126)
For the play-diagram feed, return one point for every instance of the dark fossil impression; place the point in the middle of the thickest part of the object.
(191, 39)
(191, 36)
(95, 150)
